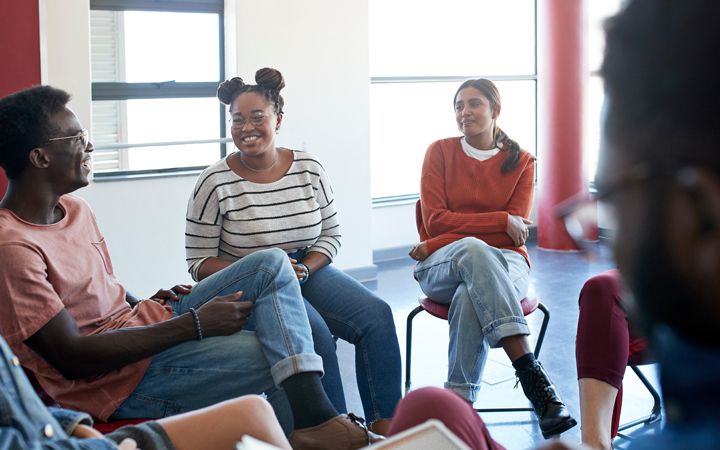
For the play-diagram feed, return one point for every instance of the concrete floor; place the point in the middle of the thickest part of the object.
(557, 279)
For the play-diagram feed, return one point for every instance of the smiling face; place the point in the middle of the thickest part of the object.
(253, 124)
(475, 115)
(69, 160)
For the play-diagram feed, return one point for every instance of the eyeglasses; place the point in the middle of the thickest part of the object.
(84, 137)
(239, 121)
(583, 213)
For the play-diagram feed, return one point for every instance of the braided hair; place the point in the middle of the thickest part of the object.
(269, 83)
(490, 91)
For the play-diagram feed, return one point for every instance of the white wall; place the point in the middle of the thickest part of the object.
(321, 47)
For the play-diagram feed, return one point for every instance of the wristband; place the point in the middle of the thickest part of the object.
(307, 274)
(198, 328)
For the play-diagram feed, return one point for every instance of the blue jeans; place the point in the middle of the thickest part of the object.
(484, 286)
(358, 316)
(274, 346)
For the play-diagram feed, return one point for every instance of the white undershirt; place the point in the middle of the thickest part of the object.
(480, 155)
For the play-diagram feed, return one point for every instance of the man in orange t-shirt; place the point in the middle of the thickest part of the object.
(67, 317)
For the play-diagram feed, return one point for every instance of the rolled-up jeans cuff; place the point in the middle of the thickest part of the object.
(503, 328)
(295, 364)
(468, 391)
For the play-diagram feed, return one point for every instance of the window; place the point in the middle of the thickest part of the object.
(420, 52)
(597, 12)
(156, 65)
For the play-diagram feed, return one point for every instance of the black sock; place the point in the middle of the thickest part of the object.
(526, 361)
(309, 402)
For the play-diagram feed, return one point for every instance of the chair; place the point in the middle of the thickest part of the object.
(529, 305)
(103, 427)
(635, 360)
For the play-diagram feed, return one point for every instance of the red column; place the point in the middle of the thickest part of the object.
(19, 51)
(561, 73)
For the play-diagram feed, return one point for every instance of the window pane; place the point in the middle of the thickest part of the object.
(452, 38)
(155, 120)
(407, 117)
(141, 46)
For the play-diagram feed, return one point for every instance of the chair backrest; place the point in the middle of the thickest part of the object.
(418, 215)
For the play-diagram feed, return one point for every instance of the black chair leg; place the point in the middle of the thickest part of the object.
(656, 409)
(543, 328)
(408, 345)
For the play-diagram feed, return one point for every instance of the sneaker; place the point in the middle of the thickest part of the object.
(343, 432)
(552, 414)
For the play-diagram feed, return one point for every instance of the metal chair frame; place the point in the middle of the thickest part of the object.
(408, 350)
(655, 413)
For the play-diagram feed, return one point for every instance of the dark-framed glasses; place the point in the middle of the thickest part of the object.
(84, 137)
(589, 216)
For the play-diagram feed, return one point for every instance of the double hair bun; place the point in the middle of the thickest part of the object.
(266, 77)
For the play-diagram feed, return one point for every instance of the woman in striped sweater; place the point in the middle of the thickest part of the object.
(476, 194)
(263, 196)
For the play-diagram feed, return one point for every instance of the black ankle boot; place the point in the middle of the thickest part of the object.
(552, 414)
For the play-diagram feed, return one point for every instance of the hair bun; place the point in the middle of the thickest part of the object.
(227, 89)
(270, 78)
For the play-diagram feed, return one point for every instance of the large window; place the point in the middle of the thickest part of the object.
(420, 52)
(156, 65)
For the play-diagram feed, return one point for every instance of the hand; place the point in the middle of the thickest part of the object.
(85, 432)
(300, 271)
(163, 295)
(517, 229)
(224, 315)
(419, 252)
(128, 444)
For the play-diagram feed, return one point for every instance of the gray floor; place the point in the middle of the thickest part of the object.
(557, 279)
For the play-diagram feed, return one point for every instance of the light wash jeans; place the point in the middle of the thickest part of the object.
(196, 374)
(353, 313)
(484, 286)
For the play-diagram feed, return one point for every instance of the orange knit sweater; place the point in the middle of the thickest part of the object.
(461, 196)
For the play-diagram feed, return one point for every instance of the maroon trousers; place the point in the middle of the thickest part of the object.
(448, 407)
(605, 344)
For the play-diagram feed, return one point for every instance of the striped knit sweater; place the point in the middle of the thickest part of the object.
(230, 217)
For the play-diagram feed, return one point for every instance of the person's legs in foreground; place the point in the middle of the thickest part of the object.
(222, 425)
(356, 315)
(282, 345)
(484, 286)
(452, 410)
(602, 348)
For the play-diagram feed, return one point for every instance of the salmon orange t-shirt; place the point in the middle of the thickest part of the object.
(47, 268)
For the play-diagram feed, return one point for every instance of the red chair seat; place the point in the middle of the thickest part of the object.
(109, 427)
(439, 310)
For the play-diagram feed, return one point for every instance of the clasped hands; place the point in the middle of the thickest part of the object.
(517, 229)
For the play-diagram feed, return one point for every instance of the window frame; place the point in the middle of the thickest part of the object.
(162, 89)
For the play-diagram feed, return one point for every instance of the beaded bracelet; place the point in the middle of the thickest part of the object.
(198, 328)
(307, 274)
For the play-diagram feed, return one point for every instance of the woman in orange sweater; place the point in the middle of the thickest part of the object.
(476, 194)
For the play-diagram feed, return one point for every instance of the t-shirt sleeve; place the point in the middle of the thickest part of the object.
(29, 300)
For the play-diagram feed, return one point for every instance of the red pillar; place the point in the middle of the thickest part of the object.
(561, 74)
(19, 51)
